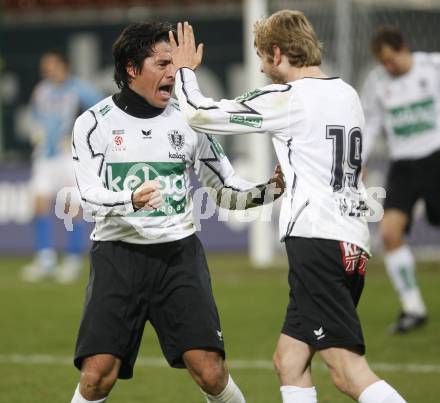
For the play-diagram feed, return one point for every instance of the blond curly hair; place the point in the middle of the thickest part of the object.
(293, 34)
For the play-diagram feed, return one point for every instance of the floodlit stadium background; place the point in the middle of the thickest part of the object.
(85, 30)
(40, 335)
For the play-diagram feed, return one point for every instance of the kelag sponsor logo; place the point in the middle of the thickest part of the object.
(173, 186)
(252, 121)
(414, 118)
(249, 95)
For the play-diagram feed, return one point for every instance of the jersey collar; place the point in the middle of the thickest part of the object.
(133, 104)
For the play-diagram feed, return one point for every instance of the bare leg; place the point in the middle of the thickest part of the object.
(349, 370)
(292, 361)
(98, 376)
(209, 370)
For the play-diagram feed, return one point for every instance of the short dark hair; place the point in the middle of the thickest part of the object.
(386, 35)
(134, 44)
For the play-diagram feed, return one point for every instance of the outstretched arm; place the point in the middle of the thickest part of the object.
(261, 110)
(225, 186)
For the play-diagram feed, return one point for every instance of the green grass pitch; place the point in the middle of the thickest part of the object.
(38, 325)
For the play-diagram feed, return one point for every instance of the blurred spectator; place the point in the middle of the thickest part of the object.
(402, 98)
(56, 102)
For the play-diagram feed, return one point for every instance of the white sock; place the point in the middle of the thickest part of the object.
(295, 394)
(400, 266)
(73, 259)
(231, 394)
(77, 398)
(46, 258)
(380, 392)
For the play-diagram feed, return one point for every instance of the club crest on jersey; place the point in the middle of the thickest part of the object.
(177, 139)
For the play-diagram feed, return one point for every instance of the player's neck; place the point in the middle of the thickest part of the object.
(135, 105)
(59, 79)
(297, 73)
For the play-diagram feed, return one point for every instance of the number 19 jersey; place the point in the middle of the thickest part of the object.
(316, 127)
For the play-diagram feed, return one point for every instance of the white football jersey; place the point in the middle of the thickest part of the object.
(316, 127)
(114, 153)
(407, 108)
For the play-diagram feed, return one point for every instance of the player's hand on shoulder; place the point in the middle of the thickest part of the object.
(184, 52)
(277, 180)
(147, 196)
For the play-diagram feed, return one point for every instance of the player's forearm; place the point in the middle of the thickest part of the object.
(232, 198)
(203, 113)
(188, 91)
(102, 202)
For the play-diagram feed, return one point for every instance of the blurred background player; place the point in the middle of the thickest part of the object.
(56, 102)
(402, 98)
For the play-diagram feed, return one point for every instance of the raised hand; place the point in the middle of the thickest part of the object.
(184, 52)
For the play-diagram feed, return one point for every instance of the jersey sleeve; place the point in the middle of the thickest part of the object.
(374, 114)
(431, 58)
(38, 117)
(46, 125)
(261, 110)
(88, 150)
(216, 173)
(435, 59)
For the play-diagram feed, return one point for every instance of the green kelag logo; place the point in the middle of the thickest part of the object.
(248, 95)
(171, 176)
(252, 121)
(414, 118)
(103, 111)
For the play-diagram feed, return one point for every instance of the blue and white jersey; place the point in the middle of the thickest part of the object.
(54, 110)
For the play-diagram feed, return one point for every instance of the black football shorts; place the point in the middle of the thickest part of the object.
(168, 284)
(326, 279)
(410, 180)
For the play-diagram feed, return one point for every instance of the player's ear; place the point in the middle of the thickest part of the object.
(405, 48)
(131, 69)
(276, 55)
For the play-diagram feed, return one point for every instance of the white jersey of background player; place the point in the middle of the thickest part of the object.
(402, 98)
(407, 108)
(316, 125)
